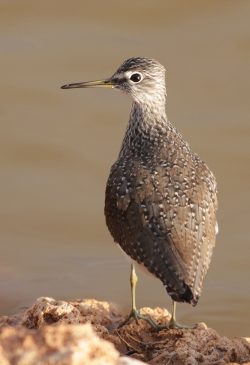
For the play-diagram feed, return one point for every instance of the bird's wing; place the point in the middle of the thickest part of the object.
(179, 209)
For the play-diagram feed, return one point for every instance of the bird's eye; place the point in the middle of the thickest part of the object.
(136, 77)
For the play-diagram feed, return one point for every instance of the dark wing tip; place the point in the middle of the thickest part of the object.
(185, 296)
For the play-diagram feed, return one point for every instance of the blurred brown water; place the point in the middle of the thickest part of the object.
(57, 146)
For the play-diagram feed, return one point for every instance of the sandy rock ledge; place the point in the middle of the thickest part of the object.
(85, 332)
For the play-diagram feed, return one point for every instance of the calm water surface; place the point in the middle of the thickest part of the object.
(57, 146)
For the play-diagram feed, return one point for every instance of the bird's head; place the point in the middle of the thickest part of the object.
(142, 78)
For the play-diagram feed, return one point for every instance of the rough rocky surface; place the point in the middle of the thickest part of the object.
(85, 332)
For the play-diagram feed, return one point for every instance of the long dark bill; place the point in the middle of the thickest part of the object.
(98, 83)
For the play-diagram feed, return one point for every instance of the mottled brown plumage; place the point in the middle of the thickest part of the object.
(161, 197)
(160, 200)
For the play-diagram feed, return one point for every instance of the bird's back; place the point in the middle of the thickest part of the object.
(160, 207)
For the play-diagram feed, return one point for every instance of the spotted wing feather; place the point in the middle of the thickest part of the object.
(165, 218)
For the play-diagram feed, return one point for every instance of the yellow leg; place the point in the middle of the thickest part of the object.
(173, 322)
(135, 313)
(133, 282)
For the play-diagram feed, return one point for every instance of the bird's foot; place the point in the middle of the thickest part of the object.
(173, 324)
(135, 314)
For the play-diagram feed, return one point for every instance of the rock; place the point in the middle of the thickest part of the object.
(48, 311)
(201, 345)
(58, 345)
(63, 344)
(85, 332)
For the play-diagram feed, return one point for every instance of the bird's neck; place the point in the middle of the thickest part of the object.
(148, 118)
(147, 124)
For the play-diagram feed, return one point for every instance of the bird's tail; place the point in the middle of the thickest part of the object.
(186, 295)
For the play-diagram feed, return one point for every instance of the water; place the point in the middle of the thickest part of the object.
(57, 146)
